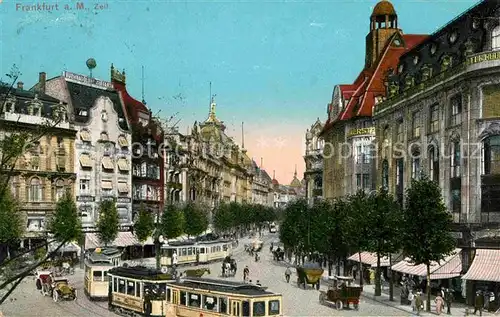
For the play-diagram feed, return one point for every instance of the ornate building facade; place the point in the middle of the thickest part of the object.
(261, 186)
(102, 146)
(442, 114)
(349, 132)
(42, 175)
(147, 159)
(313, 158)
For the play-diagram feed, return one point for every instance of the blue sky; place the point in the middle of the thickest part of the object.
(271, 64)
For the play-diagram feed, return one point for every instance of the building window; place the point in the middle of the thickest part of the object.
(491, 155)
(433, 164)
(415, 125)
(84, 187)
(107, 187)
(35, 224)
(385, 174)
(60, 189)
(399, 131)
(144, 169)
(35, 190)
(363, 153)
(495, 38)
(455, 200)
(455, 159)
(415, 168)
(434, 119)
(455, 110)
(399, 180)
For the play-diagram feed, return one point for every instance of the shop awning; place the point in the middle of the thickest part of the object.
(107, 163)
(369, 258)
(85, 160)
(68, 247)
(485, 266)
(123, 165)
(124, 239)
(450, 267)
(122, 187)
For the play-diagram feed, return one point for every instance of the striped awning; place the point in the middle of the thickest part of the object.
(450, 267)
(369, 258)
(124, 239)
(485, 266)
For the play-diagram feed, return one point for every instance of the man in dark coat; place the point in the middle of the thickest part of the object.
(479, 303)
(448, 298)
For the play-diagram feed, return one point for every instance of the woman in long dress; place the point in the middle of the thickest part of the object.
(439, 304)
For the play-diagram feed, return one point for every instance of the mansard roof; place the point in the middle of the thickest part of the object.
(23, 97)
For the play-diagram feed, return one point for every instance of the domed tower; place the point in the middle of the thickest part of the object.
(383, 24)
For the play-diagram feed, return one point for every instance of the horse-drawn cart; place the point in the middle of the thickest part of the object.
(341, 293)
(309, 274)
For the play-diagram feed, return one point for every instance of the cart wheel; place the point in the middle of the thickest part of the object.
(322, 297)
(356, 306)
(339, 305)
(55, 296)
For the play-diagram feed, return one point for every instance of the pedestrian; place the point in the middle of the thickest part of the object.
(411, 298)
(418, 302)
(174, 259)
(288, 273)
(478, 303)
(246, 273)
(439, 303)
(491, 302)
(448, 299)
(257, 257)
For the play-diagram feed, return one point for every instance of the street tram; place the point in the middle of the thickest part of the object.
(97, 265)
(191, 252)
(193, 297)
(138, 291)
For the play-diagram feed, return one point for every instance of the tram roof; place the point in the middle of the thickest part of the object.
(223, 286)
(188, 243)
(140, 273)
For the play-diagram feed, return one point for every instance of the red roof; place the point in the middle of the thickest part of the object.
(370, 82)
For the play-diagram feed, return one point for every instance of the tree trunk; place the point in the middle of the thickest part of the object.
(329, 267)
(428, 290)
(391, 280)
(142, 256)
(157, 253)
(378, 286)
(361, 273)
(337, 264)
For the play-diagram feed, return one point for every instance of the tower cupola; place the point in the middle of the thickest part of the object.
(384, 16)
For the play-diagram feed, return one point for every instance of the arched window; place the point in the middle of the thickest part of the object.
(433, 163)
(495, 38)
(415, 164)
(35, 192)
(455, 159)
(491, 155)
(60, 189)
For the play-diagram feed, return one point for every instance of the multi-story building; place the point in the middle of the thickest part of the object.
(313, 175)
(177, 164)
(43, 173)
(442, 113)
(102, 147)
(348, 132)
(147, 159)
(261, 186)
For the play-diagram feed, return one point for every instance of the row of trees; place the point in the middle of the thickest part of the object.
(373, 222)
(233, 217)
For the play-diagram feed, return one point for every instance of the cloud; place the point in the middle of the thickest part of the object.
(317, 25)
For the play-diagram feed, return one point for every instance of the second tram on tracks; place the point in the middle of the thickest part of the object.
(97, 265)
(139, 291)
(190, 252)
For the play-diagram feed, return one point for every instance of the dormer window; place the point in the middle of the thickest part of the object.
(433, 48)
(416, 59)
(104, 116)
(453, 37)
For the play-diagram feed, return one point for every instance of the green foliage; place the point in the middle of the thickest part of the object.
(107, 225)
(224, 219)
(172, 222)
(40, 253)
(144, 225)
(196, 219)
(294, 228)
(360, 206)
(427, 223)
(11, 219)
(65, 224)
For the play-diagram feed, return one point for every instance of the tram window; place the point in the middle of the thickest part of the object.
(194, 300)
(105, 277)
(202, 250)
(190, 251)
(209, 303)
(131, 288)
(169, 295)
(121, 286)
(115, 284)
(246, 309)
(138, 289)
(259, 308)
(97, 276)
(223, 305)
(184, 252)
(183, 298)
(274, 307)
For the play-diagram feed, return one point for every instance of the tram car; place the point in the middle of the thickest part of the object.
(191, 252)
(193, 297)
(138, 291)
(97, 265)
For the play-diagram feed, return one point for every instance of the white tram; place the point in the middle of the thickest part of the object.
(97, 265)
(190, 252)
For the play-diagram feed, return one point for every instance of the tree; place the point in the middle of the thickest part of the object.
(385, 218)
(172, 222)
(426, 228)
(196, 219)
(107, 224)
(339, 233)
(144, 226)
(223, 218)
(11, 223)
(294, 228)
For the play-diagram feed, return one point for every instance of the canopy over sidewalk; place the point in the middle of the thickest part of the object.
(369, 258)
(485, 266)
(450, 267)
(124, 239)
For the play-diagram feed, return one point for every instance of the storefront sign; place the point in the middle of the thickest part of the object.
(88, 80)
(354, 132)
(491, 56)
(85, 198)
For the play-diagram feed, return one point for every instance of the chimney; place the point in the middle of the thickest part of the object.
(42, 77)
(20, 85)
